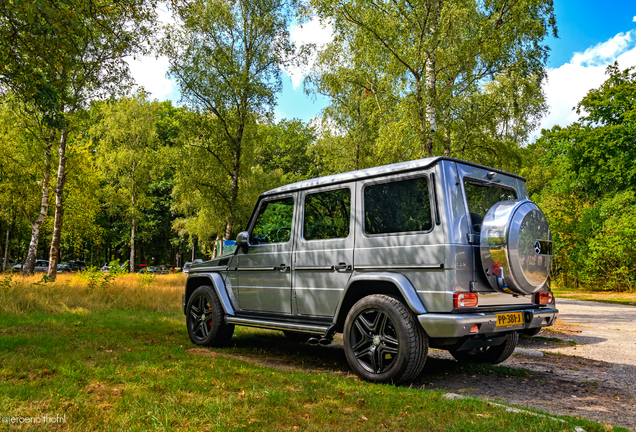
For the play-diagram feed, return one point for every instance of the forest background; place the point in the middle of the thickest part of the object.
(93, 169)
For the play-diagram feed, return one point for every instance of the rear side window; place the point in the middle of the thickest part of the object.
(481, 197)
(400, 206)
(273, 223)
(327, 215)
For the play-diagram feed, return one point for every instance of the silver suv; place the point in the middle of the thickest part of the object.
(435, 253)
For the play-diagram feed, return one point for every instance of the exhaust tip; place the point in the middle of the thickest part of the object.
(325, 341)
(313, 341)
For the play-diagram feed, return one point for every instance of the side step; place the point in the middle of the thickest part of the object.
(279, 325)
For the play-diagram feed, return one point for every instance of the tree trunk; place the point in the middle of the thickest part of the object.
(54, 254)
(431, 83)
(235, 187)
(29, 262)
(131, 264)
(132, 244)
(6, 246)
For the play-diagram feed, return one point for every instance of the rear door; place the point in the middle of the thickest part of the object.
(324, 252)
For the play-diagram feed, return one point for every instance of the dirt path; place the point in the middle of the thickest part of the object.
(591, 374)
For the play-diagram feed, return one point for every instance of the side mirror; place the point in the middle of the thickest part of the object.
(243, 240)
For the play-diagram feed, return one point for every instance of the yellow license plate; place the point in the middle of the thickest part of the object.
(509, 319)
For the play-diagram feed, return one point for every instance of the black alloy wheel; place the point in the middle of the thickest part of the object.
(374, 341)
(383, 341)
(205, 319)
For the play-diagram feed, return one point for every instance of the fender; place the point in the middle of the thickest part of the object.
(219, 286)
(402, 283)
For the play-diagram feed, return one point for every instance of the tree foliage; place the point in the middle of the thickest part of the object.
(437, 77)
(584, 178)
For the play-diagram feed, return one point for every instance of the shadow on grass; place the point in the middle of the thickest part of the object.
(265, 344)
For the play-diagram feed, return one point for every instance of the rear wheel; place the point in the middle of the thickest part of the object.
(206, 319)
(383, 341)
(492, 354)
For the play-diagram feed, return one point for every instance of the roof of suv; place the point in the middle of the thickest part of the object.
(373, 172)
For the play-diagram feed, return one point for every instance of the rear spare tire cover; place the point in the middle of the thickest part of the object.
(516, 247)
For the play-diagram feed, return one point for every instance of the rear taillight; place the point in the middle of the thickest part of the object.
(544, 297)
(496, 269)
(462, 300)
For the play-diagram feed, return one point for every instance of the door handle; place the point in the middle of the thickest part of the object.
(341, 267)
(282, 268)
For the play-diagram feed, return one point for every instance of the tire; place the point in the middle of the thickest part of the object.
(492, 354)
(531, 332)
(380, 328)
(297, 336)
(205, 319)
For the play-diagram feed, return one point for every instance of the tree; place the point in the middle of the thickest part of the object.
(226, 57)
(426, 64)
(126, 155)
(584, 177)
(25, 136)
(58, 55)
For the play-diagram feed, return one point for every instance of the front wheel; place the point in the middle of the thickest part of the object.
(383, 341)
(205, 319)
(491, 354)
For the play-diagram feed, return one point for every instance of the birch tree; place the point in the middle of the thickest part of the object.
(57, 55)
(423, 62)
(226, 56)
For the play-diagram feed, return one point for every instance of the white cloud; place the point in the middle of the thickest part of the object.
(569, 83)
(150, 72)
(312, 32)
(602, 53)
(634, 19)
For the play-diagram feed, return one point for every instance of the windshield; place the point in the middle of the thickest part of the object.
(481, 196)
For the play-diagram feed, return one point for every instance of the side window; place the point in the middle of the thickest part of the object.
(327, 215)
(481, 197)
(399, 206)
(273, 223)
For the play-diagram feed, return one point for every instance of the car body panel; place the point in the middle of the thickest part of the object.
(426, 267)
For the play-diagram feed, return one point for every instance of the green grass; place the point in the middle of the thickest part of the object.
(131, 370)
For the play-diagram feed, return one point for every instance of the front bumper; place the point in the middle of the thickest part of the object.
(448, 325)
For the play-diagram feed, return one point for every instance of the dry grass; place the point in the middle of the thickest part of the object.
(87, 292)
(561, 291)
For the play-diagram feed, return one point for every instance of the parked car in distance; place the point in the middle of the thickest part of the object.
(164, 268)
(65, 268)
(77, 265)
(10, 263)
(41, 266)
(432, 253)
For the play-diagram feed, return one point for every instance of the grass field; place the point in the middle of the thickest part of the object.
(117, 357)
(599, 296)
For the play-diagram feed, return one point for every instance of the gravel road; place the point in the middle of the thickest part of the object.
(591, 374)
(607, 332)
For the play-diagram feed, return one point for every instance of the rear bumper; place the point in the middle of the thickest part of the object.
(447, 325)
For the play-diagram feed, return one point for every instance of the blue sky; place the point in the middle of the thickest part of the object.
(592, 34)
